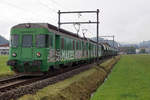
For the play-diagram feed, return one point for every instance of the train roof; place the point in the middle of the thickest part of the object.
(55, 28)
(52, 27)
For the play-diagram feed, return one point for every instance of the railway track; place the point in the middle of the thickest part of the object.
(17, 86)
(9, 78)
(20, 80)
(12, 84)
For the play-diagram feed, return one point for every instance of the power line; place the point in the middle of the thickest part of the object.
(45, 5)
(57, 5)
(22, 9)
(55, 2)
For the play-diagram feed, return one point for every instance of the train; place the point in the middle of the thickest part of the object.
(43, 47)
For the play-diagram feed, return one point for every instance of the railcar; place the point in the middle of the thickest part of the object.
(42, 47)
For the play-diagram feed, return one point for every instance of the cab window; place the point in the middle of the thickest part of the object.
(27, 41)
(14, 40)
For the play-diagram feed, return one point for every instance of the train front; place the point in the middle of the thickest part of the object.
(28, 50)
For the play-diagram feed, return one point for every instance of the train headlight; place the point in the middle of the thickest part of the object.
(14, 54)
(38, 54)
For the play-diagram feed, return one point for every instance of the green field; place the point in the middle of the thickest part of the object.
(129, 80)
(4, 69)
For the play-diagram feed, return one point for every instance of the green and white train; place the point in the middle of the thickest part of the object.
(42, 47)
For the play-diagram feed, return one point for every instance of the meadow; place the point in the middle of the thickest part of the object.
(129, 80)
(4, 69)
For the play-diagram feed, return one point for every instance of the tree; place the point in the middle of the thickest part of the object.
(143, 50)
(131, 50)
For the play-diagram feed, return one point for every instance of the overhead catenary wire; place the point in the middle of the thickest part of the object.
(12, 5)
(37, 15)
(20, 8)
(48, 6)
(58, 4)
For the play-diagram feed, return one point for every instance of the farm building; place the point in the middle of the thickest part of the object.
(4, 49)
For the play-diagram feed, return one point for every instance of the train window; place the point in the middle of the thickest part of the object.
(51, 41)
(62, 43)
(69, 44)
(27, 41)
(14, 40)
(85, 45)
(77, 45)
(42, 40)
(65, 44)
(73, 44)
(95, 50)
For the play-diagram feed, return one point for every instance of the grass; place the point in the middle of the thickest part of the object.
(78, 87)
(129, 80)
(55, 89)
(4, 69)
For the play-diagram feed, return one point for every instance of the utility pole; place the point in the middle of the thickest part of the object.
(113, 41)
(58, 19)
(84, 22)
(97, 31)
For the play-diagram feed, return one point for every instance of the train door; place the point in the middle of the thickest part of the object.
(57, 47)
(62, 48)
(90, 49)
(27, 46)
(74, 46)
(83, 49)
(87, 50)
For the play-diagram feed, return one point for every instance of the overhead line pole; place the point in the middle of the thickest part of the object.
(67, 12)
(58, 19)
(97, 31)
(113, 41)
(90, 22)
(78, 22)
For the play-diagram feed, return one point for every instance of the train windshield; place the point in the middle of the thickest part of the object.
(27, 41)
(41, 40)
(14, 40)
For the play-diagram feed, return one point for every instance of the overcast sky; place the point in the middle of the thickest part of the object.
(128, 20)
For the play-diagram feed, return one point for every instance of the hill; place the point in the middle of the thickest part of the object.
(145, 44)
(3, 40)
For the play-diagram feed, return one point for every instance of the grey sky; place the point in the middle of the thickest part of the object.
(128, 20)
